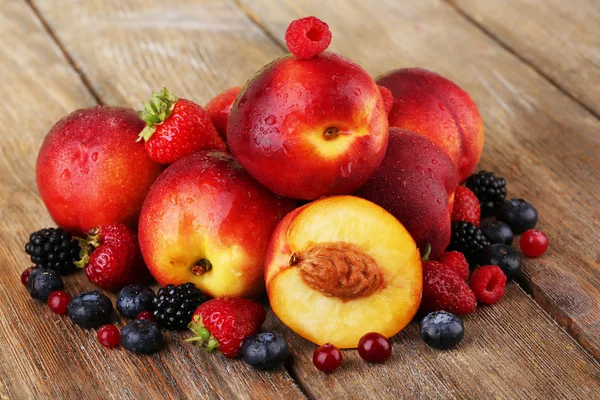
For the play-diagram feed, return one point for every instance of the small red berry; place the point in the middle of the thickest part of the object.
(388, 98)
(25, 275)
(58, 302)
(374, 347)
(109, 336)
(327, 358)
(146, 315)
(457, 261)
(534, 243)
(307, 37)
(488, 283)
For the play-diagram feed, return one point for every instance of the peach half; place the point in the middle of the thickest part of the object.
(340, 267)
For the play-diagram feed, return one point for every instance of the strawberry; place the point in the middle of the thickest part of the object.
(466, 206)
(445, 290)
(112, 258)
(225, 322)
(176, 128)
(456, 261)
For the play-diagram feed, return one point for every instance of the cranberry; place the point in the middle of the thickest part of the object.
(534, 243)
(327, 357)
(25, 275)
(146, 315)
(109, 336)
(374, 347)
(58, 302)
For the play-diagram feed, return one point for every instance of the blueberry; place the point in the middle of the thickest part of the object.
(518, 214)
(90, 309)
(42, 282)
(507, 258)
(442, 330)
(497, 232)
(134, 299)
(265, 350)
(141, 336)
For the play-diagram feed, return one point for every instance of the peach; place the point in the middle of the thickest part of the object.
(90, 171)
(434, 106)
(309, 128)
(341, 267)
(218, 109)
(416, 183)
(206, 221)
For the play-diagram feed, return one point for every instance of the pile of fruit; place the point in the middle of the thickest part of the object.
(205, 202)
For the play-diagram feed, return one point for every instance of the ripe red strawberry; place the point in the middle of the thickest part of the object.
(176, 128)
(218, 109)
(466, 206)
(444, 290)
(112, 257)
(488, 283)
(456, 261)
(225, 322)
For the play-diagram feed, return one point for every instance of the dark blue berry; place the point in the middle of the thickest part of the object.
(497, 232)
(507, 258)
(265, 350)
(518, 214)
(90, 309)
(141, 336)
(442, 330)
(42, 282)
(134, 299)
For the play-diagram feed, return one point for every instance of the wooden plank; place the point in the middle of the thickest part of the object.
(543, 142)
(105, 41)
(559, 38)
(44, 356)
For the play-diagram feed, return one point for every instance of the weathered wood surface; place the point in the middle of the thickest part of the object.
(559, 38)
(125, 50)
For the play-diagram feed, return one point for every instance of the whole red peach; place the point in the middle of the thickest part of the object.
(90, 171)
(429, 104)
(416, 183)
(307, 128)
(218, 109)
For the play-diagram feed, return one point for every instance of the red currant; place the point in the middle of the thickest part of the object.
(58, 302)
(25, 275)
(374, 347)
(534, 243)
(109, 336)
(146, 315)
(327, 357)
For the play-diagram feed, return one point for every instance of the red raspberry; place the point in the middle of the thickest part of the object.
(534, 243)
(444, 290)
(488, 284)
(466, 206)
(456, 261)
(388, 98)
(307, 37)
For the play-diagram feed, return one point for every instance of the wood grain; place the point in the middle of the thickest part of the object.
(559, 38)
(44, 356)
(539, 139)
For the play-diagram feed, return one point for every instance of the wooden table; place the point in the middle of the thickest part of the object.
(533, 68)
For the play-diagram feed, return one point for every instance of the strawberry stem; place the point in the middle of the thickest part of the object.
(87, 245)
(427, 253)
(203, 337)
(156, 111)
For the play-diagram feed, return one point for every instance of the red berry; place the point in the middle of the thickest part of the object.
(488, 284)
(25, 275)
(58, 302)
(307, 37)
(146, 315)
(219, 107)
(327, 358)
(388, 98)
(109, 336)
(466, 206)
(445, 290)
(534, 243)
(456, 261)
(374, 347)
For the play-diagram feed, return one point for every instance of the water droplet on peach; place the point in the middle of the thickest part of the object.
(271, 120)
(95, 156)
(65, 174)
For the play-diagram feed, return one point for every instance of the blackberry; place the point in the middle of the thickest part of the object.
(469, 240)
(53, 248)
(489, 189)
(174, 305)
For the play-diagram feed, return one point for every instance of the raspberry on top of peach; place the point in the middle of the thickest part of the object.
(340, 267)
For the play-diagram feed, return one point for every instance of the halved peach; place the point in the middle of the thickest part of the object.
(340, 267)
